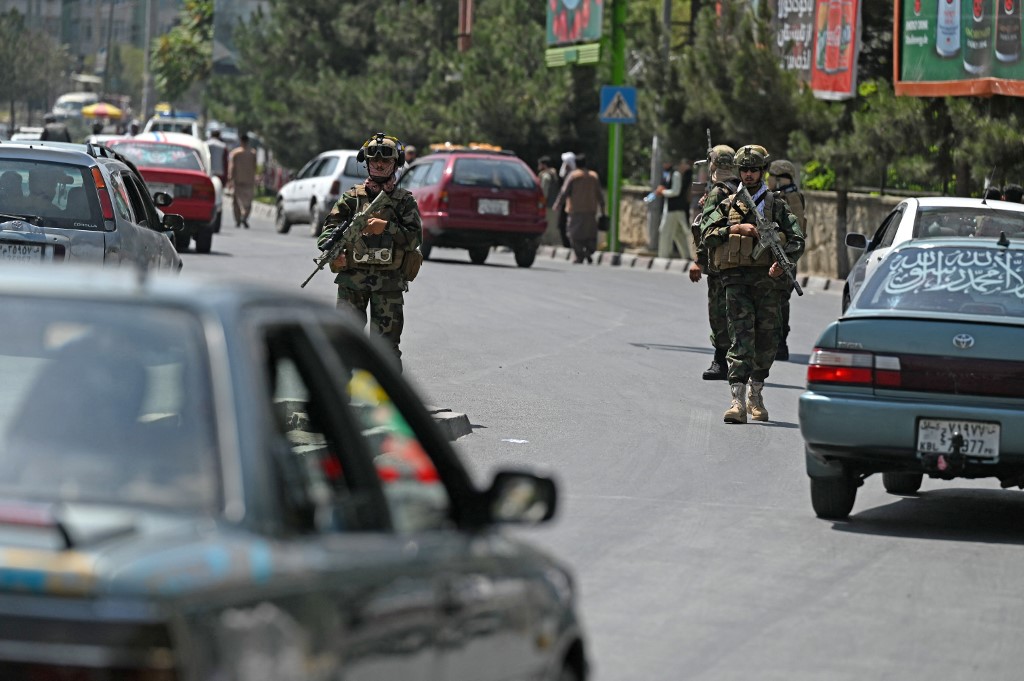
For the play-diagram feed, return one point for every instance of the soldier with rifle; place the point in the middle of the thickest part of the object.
(372, 238)
(754, 240)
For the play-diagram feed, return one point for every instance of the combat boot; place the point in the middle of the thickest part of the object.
(755, 403)
(718, 371)
(737, 413)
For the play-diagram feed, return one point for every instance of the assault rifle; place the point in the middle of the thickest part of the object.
(333, 247)
(768, 238)
(695, 223)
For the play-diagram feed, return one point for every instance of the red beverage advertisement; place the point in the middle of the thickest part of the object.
(836, 48)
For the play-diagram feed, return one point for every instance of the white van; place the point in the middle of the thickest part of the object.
(69, 104)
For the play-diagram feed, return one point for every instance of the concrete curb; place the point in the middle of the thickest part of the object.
(452, 424)
(638, 261)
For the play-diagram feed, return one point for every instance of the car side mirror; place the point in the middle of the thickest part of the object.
(162, 199)
(856, 240)
(173, 223)
(521, 497)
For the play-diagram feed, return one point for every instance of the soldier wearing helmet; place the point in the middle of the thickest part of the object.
(379, 260)
(723, 183)
(782, 180)
(754, 282)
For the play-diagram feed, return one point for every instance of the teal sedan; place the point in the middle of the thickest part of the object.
(923, 375)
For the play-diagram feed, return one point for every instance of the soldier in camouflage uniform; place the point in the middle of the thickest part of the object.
(754, 283)
(370, 269)
(722, 183)
(781, 180)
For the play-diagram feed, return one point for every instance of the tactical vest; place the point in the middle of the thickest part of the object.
(738, 250)
(376, 252)
(677, 203)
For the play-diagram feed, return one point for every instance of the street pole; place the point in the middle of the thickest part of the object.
(618, 76)
(146, 75)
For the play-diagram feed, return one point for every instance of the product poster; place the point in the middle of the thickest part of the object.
(573, 21)
(793, 26)
(836, 48)
(959, 47)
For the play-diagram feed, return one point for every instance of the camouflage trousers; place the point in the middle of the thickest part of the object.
(718, 315)
(387, 313)
(755, 327)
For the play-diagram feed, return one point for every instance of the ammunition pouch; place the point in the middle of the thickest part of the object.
(738, 252)
(411, 264)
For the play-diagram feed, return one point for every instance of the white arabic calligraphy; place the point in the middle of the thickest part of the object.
(801, 7)
(971, 271)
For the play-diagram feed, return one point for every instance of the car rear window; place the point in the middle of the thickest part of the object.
(64, 196)
(105, 403)
(937, 221)
(354, 168)
(487, 172)
(151, 155)
(327, 167)
(949, 279)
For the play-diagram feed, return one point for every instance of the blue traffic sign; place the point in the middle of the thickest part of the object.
(618, 104)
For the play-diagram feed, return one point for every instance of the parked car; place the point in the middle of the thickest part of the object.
(314, 190)
(477, 199)
(168, 122)
(923, 374)
(72, 203)
(927, 218)
(174, 163)
(242, 477)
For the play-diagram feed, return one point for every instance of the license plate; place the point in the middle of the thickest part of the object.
(20, 252)
(980, 438)
(166, 188)
(492, 207)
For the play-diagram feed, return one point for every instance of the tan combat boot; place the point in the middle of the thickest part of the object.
(737, 413)
(755, 403)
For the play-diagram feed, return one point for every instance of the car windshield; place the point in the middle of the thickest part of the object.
(489, 172)
(62, 195)
(935, 221)
(105, 403)
(144, 154)
(948, 279)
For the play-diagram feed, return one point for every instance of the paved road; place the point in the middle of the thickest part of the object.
(694, 544)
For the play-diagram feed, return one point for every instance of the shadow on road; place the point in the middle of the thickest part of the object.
(960, 514)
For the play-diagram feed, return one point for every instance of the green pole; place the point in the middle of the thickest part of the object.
(615, 129)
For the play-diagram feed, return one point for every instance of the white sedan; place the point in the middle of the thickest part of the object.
(927, 218)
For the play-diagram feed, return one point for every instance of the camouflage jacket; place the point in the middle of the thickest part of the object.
(719, 192)
(404, 233)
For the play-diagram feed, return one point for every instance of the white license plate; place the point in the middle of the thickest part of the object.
(980, 438)
(20, 252)
(166, 188)
(492, 207)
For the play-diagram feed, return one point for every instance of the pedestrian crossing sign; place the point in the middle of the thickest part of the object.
(618, 104)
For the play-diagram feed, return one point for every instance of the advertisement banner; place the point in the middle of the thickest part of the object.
(573, 21)
(959, 47)
(794, 35)
(836, 48)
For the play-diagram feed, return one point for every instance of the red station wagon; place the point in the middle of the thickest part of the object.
(478, 198)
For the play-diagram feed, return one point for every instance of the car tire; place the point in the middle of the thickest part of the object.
(204, 241)
(902, 483)
(281, 223)
(833, 498)
(316, 221)
(526, 254)
(478, 254)
(181, 242)
(425, 248)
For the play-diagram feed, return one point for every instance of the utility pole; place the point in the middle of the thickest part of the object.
(465, 25)
(618, 76)
(147, 75)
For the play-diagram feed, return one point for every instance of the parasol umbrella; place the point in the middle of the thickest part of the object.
(101, 110)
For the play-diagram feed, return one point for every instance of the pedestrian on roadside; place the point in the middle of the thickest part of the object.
(377, 281)
(721, 171)
(582, 198)
(410, 155)
(782, 179)
(1013, 193)
(675, 215)
(568, 165)
(218, 155)
(549, 186)
(54, 130)
(242, 179)
(755, 283)
(993, 193)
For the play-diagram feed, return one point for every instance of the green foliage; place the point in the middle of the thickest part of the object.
(33, 63)
(818, 176)
(183, 56)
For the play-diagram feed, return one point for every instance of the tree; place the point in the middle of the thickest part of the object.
(183, 56)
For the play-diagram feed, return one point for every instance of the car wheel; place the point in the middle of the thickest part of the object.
(526, 254)
(902, 483)
(478, 254)
(832, 498)
(181, 242)
(846, 299)
(281, 223)
(316, 221)
(425, 248)
(204, 241)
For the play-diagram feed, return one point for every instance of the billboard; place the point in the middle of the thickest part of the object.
(820, 41)
(573, 21)
(794, 35)
(958, 47)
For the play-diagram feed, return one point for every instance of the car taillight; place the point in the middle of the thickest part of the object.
(335, 188)
(853, 368)
(203, 190)
(101, 191)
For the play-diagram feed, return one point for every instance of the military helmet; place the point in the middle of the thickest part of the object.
(384, 146)
(782, 168)
(722, 156)
(752, 156)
